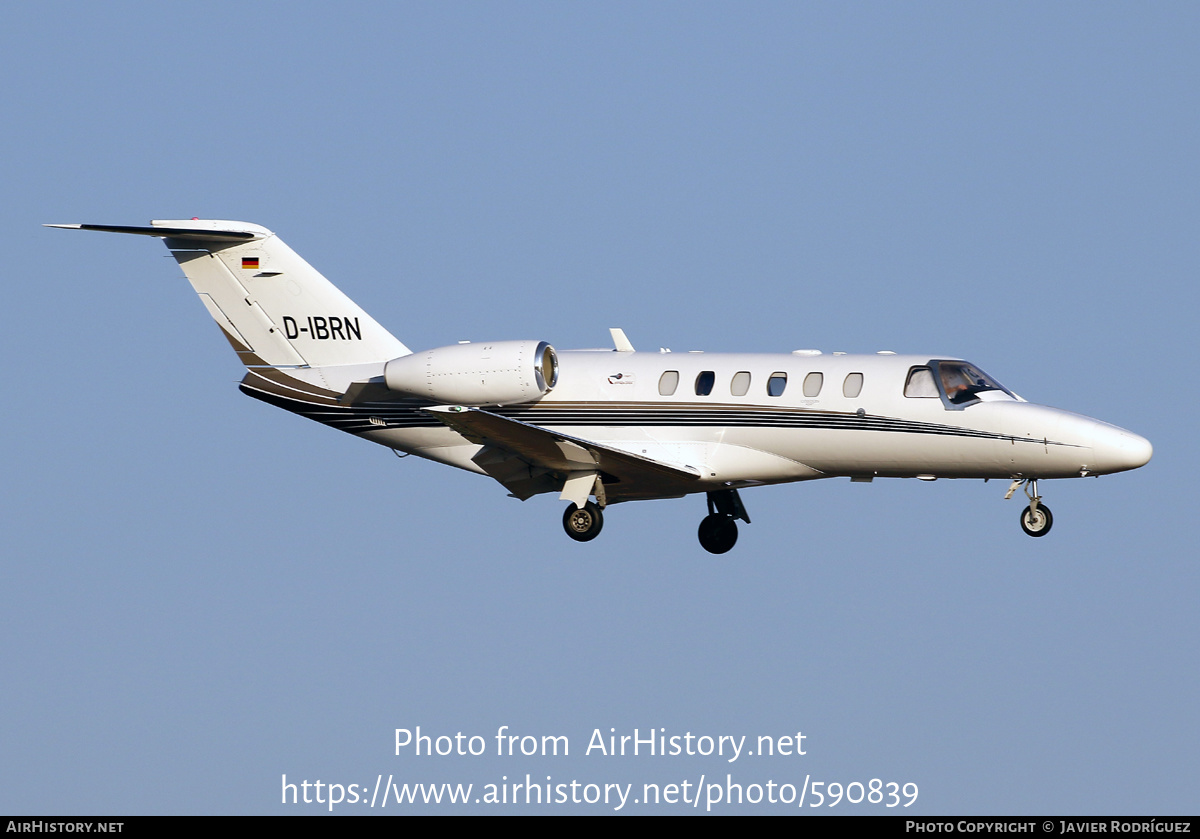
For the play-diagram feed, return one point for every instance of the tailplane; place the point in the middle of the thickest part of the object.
(275, 308)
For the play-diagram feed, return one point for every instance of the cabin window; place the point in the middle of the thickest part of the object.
(776, 384)
(740, 383)
(812, 384)
(920, 383)
(667, 383)
(852, 387)
(704, 383)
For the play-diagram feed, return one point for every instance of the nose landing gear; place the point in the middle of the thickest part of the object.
(1036, 519)
(718, 530)
(1036, 522)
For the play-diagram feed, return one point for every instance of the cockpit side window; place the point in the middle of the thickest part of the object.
(920, 384)
(962, 384)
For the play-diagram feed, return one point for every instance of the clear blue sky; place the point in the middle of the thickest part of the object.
(204, 593)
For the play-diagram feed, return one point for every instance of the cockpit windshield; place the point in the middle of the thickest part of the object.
(962, 384)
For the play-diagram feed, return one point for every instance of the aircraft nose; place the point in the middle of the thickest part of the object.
(1117, 450)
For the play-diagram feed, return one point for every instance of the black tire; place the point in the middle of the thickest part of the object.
(1039, 525)
(583, 524)
(718, 534)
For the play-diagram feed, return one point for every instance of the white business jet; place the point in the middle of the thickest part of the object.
(619, 425)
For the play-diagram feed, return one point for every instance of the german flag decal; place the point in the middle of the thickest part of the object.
(250, 262)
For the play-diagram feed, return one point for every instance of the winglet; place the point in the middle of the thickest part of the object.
(620, 341)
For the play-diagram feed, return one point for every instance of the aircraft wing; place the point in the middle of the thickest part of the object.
(550, 460)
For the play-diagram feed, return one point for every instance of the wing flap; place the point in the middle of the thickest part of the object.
(564, 454)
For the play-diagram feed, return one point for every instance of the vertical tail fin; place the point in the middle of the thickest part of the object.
(275, 308)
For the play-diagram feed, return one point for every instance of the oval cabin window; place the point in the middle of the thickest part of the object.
(740, 383)
(812, 384)
(852, 387)
(668, 382)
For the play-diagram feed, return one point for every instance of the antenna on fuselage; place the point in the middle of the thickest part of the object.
(620, 342)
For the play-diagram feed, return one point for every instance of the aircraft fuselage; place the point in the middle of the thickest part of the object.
(738, 434)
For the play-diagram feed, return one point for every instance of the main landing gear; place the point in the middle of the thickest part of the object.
(718, 530)
(583, 523)
(1036, 519)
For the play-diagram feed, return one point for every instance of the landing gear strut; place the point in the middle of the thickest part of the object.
(1036, 519)
(718, 530)
(583, 523)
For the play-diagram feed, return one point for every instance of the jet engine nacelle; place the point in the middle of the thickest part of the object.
(478, 374)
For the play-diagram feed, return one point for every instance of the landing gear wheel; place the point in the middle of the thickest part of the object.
(1036, 523)
(718, 533)
(583, 523)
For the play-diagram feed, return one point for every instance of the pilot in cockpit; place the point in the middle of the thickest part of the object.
(958, 389)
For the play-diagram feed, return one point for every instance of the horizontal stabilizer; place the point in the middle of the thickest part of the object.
(198, 234)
